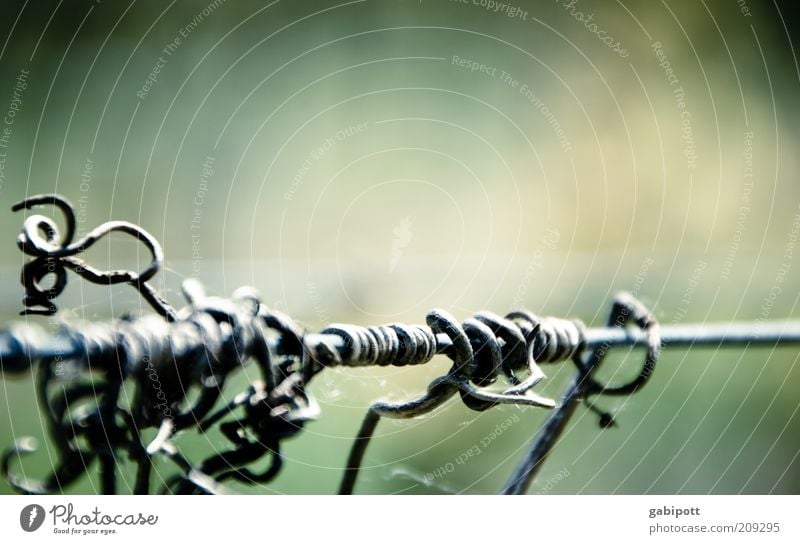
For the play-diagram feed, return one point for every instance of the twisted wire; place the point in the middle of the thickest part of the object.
(207, 341)
(625, 308)
(485, 347)
(199, 346)
(501, 345)
(53, 254)
(394, 344)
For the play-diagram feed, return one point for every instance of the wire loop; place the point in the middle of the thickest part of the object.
(627, 308)
(53, 254)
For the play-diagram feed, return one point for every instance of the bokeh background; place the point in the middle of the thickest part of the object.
(367, 161)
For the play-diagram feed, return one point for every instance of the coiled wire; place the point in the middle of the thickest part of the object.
(501, 346)
(166, 357)
(199, 347)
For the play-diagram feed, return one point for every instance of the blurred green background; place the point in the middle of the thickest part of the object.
(367, 161)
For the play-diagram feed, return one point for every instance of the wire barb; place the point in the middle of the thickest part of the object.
(478, 359)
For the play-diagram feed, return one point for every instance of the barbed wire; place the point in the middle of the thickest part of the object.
(191, 352)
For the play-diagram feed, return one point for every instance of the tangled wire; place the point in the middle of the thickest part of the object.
(190, 353)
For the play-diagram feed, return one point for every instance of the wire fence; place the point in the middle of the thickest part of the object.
(178, 354)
